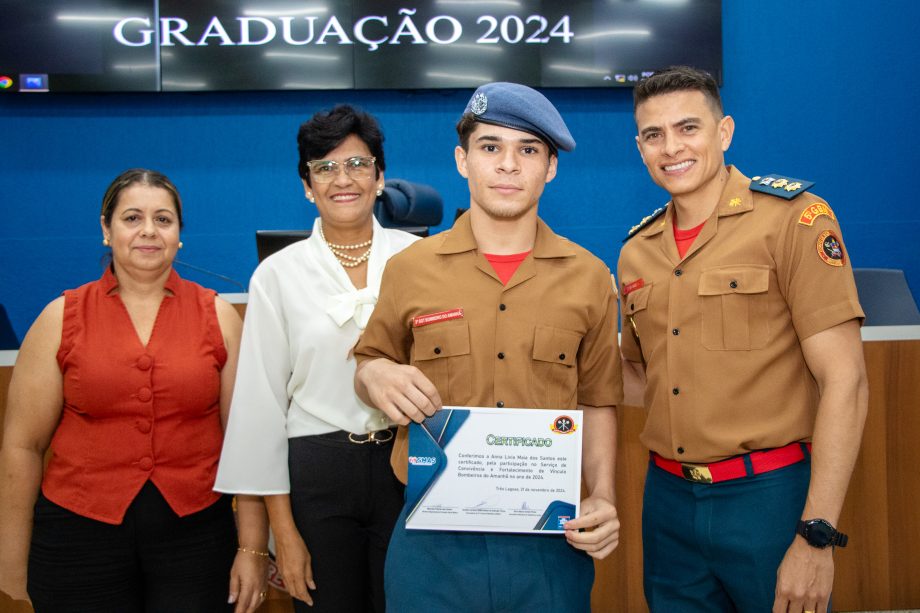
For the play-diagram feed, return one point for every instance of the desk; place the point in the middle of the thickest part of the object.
(879, 568)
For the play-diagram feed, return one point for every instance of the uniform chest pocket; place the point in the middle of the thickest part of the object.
(734, 308)
(442, 353)
(555, 372)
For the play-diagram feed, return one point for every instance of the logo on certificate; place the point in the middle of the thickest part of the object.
(421, 460)
(562, 519)
(564, 425)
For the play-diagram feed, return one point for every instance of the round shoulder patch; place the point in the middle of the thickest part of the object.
(829, 249)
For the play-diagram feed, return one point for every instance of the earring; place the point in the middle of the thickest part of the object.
(180, 244)
(105, 242)
(310, 196)
(380, 191)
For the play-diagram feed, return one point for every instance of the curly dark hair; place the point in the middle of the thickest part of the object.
(327, 129)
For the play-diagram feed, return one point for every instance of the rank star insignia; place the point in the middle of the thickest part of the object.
(793, 186)
(734, 202)
(780, 183)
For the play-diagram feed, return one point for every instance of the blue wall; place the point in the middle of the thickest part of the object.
(823, 90)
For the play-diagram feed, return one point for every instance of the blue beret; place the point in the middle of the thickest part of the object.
(521, 108)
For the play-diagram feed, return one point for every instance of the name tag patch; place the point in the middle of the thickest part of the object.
(433, 318)
(628, 288)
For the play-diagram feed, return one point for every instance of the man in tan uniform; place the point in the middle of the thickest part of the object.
(499, 312)
(740, 317)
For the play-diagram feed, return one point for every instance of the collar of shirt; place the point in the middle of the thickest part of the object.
(109, 281)
(736, 198)
(347, 302)
(547, 244)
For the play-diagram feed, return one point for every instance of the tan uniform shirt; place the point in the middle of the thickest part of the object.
(720, 329)
(547, 339)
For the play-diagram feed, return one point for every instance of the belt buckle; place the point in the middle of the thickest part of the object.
(696, 473)
(378, 437)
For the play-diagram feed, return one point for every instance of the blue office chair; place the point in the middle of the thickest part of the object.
(413, 207)
(885, 297)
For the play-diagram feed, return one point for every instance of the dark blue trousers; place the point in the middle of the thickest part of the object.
(717, 547)
(435, 571)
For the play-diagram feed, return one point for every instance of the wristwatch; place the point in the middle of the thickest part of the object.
(820, 533)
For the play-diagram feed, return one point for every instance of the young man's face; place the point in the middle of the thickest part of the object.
(682, 141)
(506, 170)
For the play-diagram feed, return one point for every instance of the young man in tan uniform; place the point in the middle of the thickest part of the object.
(740, 316)
(499, 312)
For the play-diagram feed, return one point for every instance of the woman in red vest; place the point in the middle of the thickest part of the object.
(128, 380)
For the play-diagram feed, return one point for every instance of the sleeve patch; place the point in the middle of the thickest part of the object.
(830, 249)
(810, 214)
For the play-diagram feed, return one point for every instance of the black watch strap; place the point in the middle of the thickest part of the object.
(820, 533)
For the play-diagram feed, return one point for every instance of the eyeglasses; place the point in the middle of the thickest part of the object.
(358, 167)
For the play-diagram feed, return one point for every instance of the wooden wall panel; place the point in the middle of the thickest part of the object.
(903, 443)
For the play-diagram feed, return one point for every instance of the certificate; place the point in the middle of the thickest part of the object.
(495, 470)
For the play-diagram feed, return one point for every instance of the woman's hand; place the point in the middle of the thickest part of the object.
(248, 581)
(293, 561)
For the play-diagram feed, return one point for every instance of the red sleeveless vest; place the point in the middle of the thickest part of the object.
(133, 413)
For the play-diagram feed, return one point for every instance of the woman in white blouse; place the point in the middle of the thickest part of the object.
(298, 435)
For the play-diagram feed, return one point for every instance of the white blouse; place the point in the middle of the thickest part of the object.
(296, 373)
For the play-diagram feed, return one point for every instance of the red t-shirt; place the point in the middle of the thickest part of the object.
(685, 238)
(506, 265)
(133, 413)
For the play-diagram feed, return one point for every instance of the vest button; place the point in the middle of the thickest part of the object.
(144, 362)
(143, 426)
(675, 391)
(678, 272)
(680, 450)
(144, 394)
(561, 356)
(733, 284)
(502, 307)
(145, 463)
(501, 355)
(675, 332)
(500, 404)
(437, 351)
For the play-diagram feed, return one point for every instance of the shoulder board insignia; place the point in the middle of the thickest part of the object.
(645, 221)
(780, 186)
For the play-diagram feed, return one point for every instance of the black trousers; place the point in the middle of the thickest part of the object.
(153, 562)
(345, 500)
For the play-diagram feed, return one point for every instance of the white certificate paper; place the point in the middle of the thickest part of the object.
(495, 470)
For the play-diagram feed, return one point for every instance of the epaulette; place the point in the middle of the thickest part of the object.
(780, 186)
(645, 221)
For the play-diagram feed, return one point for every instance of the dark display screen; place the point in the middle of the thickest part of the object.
(221, 45)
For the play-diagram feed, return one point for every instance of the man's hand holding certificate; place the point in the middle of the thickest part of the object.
(495, 470)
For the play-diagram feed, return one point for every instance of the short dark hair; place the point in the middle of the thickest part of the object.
(467, 125)
(138, 176)
(677, 79)
(327, 129)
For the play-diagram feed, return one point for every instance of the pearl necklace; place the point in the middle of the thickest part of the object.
(348, 261)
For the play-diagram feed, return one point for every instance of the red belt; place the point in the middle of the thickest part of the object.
(734, 468)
